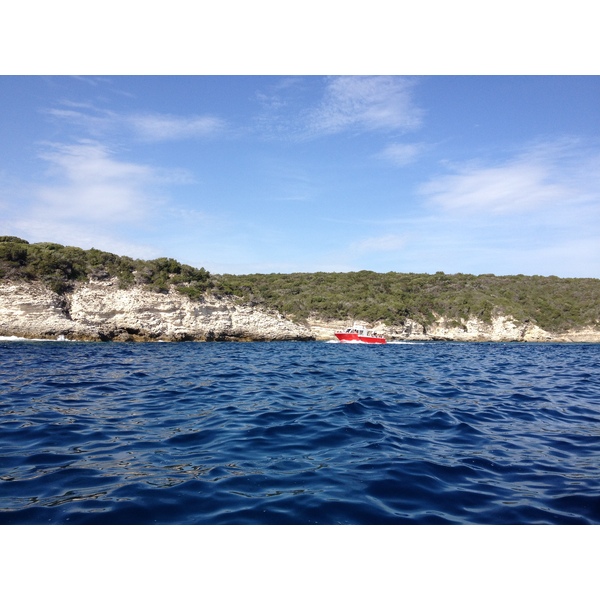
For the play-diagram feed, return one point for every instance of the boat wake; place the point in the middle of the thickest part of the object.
(398, 342)
(14, 338)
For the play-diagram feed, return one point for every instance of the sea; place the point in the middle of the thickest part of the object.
(299, 433)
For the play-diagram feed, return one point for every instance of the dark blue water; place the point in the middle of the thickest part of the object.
(299, 433)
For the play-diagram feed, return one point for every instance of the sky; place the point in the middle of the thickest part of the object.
(263, 174)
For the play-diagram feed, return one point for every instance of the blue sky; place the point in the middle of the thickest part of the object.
(244, 174)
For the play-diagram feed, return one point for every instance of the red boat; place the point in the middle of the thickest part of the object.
(358, 334)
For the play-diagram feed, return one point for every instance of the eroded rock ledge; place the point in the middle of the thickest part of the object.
(99, 310)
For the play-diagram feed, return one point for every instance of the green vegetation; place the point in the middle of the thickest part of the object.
(59, 267)
(553, 303)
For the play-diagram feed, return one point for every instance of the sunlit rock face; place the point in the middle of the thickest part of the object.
(499, 329)
(100, 310)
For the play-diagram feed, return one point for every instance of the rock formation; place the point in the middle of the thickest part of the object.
(500, 329)
(100, 310)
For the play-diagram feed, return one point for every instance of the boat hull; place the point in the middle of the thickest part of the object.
(355, 338)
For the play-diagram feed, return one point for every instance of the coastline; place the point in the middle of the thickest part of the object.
(102, 311)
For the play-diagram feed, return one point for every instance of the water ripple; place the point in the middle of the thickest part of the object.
(288, 433)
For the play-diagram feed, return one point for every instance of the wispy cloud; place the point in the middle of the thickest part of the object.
(537, 212)
(534, 213)
(160, 128)
(364, 103)
(86, 118)
(497, 190)
(93, 81)
(91, 185)
(546, 176)
(401, 154)
(309, 108)
(146, 127)
(92, 197)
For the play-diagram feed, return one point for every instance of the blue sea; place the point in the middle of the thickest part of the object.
(299, 433)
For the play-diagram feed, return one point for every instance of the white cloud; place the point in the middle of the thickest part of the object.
(365, 103)
(83, 117)
(147, 127)
(501, 190)
(401, 154)
(91, 197)
(159, 128)
(537, 213)
(91, 185)
(546, 177)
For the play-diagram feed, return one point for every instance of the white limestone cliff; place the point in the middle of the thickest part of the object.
(500, 329)
(100, 310)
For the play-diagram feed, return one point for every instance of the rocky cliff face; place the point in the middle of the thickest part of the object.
(99, 310)
(501, 329)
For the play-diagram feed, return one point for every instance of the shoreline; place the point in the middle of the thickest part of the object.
(102, 311)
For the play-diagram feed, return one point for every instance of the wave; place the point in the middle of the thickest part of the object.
(14, 338)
